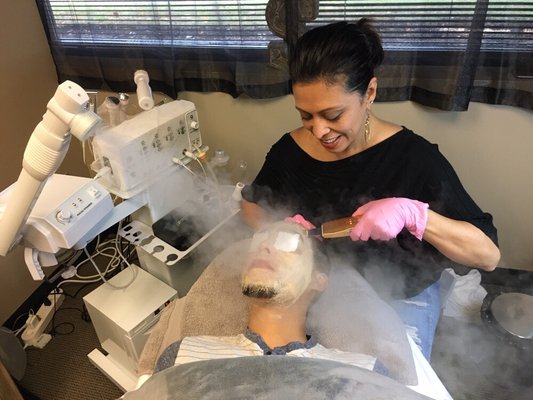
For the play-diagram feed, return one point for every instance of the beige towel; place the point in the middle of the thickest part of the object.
(215, 304)
(152, 348)
(348, 316)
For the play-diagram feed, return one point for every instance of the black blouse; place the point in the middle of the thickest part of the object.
(404, 165)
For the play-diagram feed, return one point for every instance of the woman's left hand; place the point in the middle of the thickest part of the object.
(385, 218)
(299, 219)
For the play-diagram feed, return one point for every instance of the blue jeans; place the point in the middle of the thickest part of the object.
(420, 315)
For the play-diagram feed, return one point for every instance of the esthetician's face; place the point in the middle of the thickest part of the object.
(279, 265)
(335, 117)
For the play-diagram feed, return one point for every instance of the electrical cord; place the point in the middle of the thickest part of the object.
(65, 257)
(176, 160)
(201, 166)
(201, 153)
(111, 249)
(21, 329)
(122, 259)
(54, 292)
(189, 154)
(133, 269)
(192, 156)
(76, 294)
(55, 332)
(214, 183)
(85, 314)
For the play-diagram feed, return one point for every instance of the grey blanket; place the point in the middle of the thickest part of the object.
(270, 377)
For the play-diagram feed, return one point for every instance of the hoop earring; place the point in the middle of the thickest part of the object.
(367, 128)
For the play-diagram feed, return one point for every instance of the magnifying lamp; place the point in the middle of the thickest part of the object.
(67, 114)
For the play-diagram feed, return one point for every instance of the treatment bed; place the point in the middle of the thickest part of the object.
(348, 316)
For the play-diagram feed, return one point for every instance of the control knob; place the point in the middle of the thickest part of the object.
(64, 216)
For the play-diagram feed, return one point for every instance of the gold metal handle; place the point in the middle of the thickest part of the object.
(338, 228)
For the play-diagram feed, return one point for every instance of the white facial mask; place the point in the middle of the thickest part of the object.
(287, 242)
(291, 259)
(283, 241)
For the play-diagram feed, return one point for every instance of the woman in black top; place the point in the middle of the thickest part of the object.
(415, 217)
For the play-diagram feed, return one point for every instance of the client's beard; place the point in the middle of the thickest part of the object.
(259, 291)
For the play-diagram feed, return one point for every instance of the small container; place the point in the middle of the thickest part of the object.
(220, 159)
(220, 165)
(242, 170)
(236, 196)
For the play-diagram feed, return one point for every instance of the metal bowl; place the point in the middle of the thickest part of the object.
(511, 316)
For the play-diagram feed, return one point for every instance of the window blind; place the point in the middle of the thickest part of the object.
(439, 24)
(440, 53)
(409, 24)
(198, 23)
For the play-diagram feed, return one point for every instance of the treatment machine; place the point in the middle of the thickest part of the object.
(151, 180)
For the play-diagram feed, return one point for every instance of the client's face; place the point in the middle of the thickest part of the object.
(279, 265)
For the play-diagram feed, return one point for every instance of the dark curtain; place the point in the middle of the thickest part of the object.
(183, 45)
(470, 68)
(440, 54)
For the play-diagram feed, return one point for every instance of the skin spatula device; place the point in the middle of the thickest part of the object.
(336, 228)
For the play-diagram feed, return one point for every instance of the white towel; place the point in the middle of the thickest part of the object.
(466, 298)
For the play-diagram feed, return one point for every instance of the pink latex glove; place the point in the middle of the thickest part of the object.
(384, 219)
(301, 220)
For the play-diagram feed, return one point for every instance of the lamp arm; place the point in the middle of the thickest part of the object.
(66, 114)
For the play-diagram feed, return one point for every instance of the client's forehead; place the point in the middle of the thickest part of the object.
(285, 226)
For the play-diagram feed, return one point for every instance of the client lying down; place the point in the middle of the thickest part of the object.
(283, 275)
